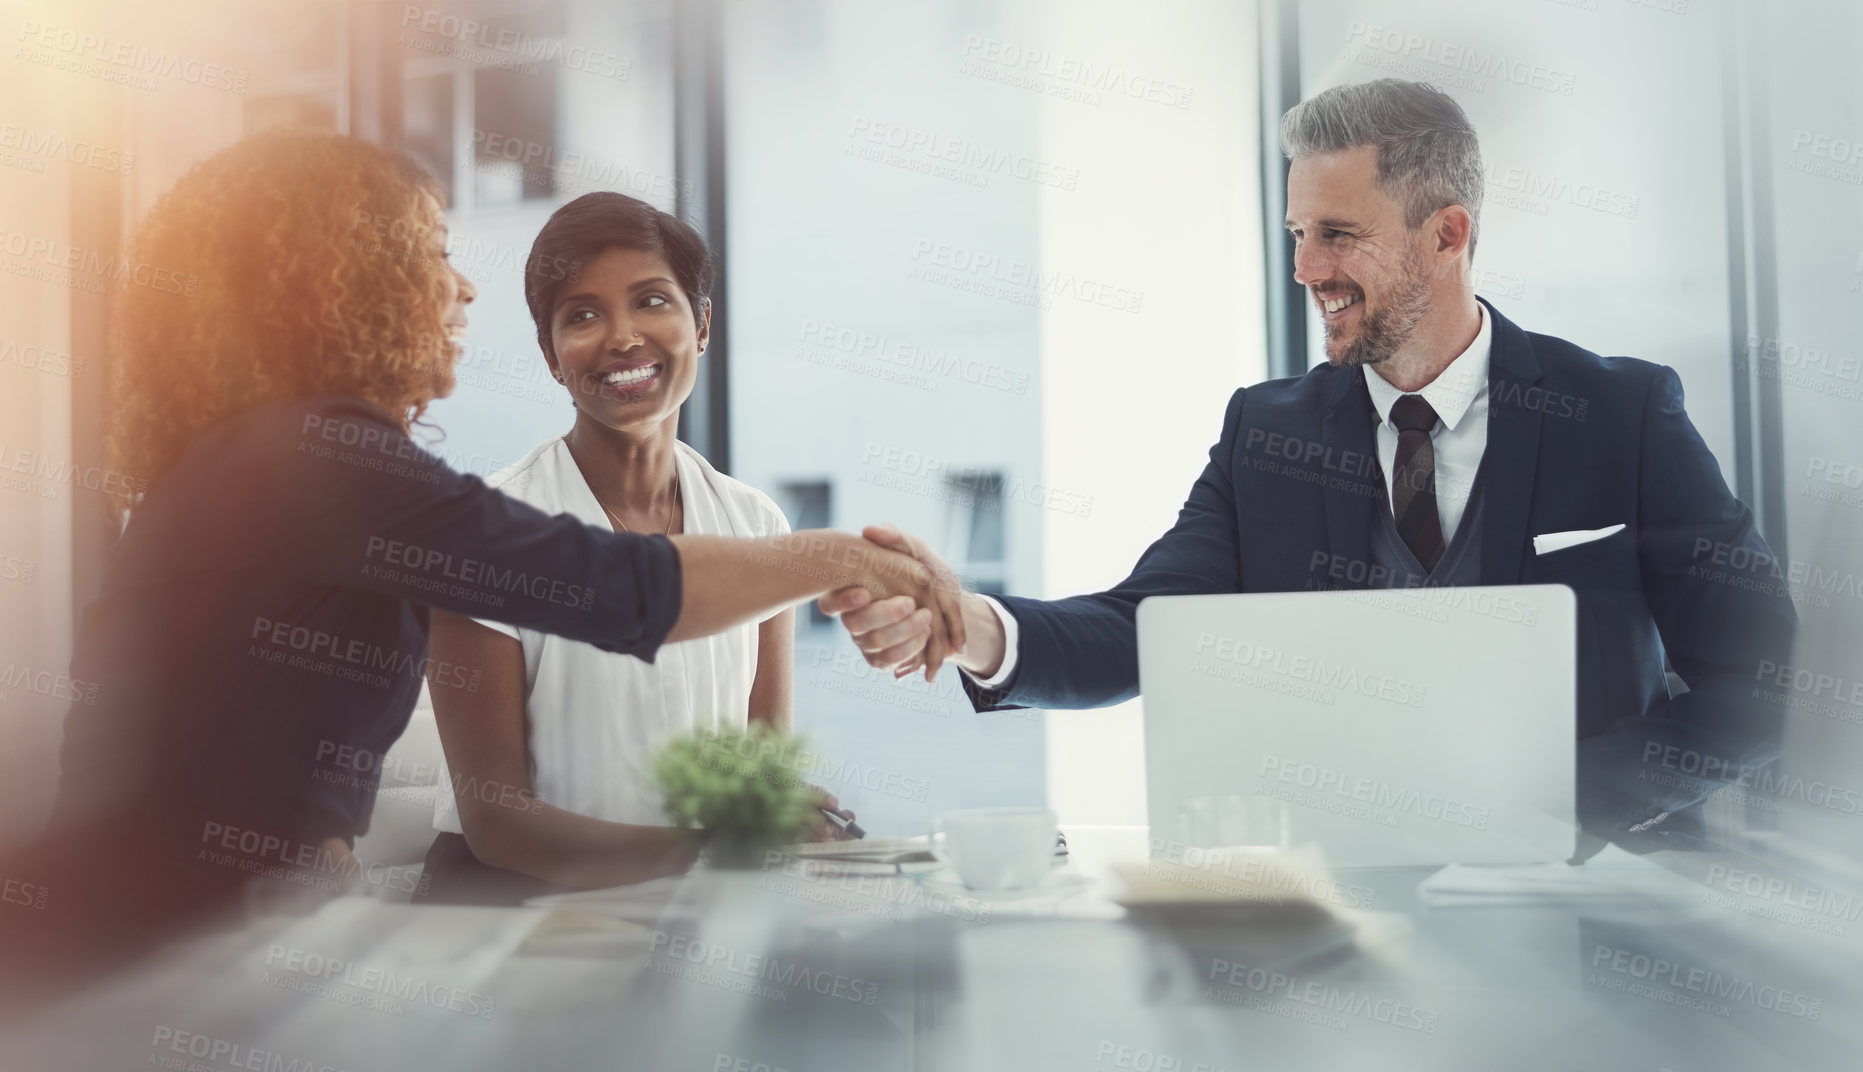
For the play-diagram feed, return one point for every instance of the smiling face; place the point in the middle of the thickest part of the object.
(1369, 275)
(624, 339)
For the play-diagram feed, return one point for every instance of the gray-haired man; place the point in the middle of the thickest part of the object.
(1437, 440)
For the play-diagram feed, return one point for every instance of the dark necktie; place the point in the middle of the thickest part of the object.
(1413, 485)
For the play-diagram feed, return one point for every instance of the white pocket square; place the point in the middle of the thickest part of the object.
(1559, 541)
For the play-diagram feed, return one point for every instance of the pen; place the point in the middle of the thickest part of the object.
(847, 826)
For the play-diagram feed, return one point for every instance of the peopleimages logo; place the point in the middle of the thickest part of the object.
(968, 160)
(1842, 156)
(1760, 778)
(516, 49)
(95, 267)
(1809, 682)
(1324, 998)
(709, 962)
(1315, 670)
(128, 58)
(39, 143)
(1803, 689)
(728, 1063)
(372, 981)
(1139, 1059)
(25, 894)
(1457, 57)
(941, 262)
(1533, 190)
(935, 477)
(14, 568)
(43, 475)
(1809, 584)
(911, 357)
(224, 1053)
(351, 658)
(1373, 793)
(475, 574)
(300, 863)
(1066, 77)
(1662, 979)
(40, 359)
(46, 683)
(572, 171)
(1790, 894)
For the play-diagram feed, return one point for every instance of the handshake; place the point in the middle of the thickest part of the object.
(922, 627)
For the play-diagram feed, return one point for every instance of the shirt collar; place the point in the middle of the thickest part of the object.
(1453, 389)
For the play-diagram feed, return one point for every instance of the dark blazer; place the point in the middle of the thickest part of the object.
(258, 645)
(1575, 441)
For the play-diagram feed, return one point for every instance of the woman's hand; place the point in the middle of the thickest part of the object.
(824, 828)
(905, 566)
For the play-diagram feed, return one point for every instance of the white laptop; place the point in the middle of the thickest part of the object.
(1400, 727)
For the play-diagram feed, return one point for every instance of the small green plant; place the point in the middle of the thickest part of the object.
(742, 790)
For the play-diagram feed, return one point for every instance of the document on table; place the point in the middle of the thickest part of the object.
(891, 851)
(1612, 875)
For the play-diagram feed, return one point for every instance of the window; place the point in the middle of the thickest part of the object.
(514, 126)
(808, 505)
(427, 127)
(529, 106)
(998, 308)
(976, 529)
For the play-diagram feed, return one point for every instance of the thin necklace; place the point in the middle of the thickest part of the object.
(673, 513)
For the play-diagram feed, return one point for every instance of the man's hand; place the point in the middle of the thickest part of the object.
(894, 635)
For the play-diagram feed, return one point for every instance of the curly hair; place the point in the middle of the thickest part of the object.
(309, 269)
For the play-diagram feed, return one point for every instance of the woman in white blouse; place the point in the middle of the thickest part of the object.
(550, 746)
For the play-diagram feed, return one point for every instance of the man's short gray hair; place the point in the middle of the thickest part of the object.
(1428, 157)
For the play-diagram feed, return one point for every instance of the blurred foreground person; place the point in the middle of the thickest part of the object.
(262, 626)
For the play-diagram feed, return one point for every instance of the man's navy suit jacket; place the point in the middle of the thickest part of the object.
(1575, 441)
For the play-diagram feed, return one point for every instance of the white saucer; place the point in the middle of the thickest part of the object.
(1061, 882)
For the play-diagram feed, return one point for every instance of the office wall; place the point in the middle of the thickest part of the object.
(604, 125)
(876, 199)
(1134, 393)
(1004, 238)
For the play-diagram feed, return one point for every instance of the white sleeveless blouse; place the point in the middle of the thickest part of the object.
(595, 718)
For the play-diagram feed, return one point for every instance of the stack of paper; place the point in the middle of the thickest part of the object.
(891, 851)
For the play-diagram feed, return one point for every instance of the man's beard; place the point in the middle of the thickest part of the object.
(1382, 331)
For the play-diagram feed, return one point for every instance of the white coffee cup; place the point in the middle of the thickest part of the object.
(996, 848)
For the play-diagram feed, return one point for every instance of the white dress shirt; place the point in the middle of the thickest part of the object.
(596, 718)
(1459, 395)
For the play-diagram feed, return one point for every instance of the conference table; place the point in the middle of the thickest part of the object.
(801, 969)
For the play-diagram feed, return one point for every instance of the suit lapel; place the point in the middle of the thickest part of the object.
(1352, 490)
(1512, 454)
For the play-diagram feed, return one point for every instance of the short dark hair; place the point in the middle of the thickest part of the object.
(578, 233)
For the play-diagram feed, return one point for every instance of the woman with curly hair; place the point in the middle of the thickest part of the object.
(261, 632)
